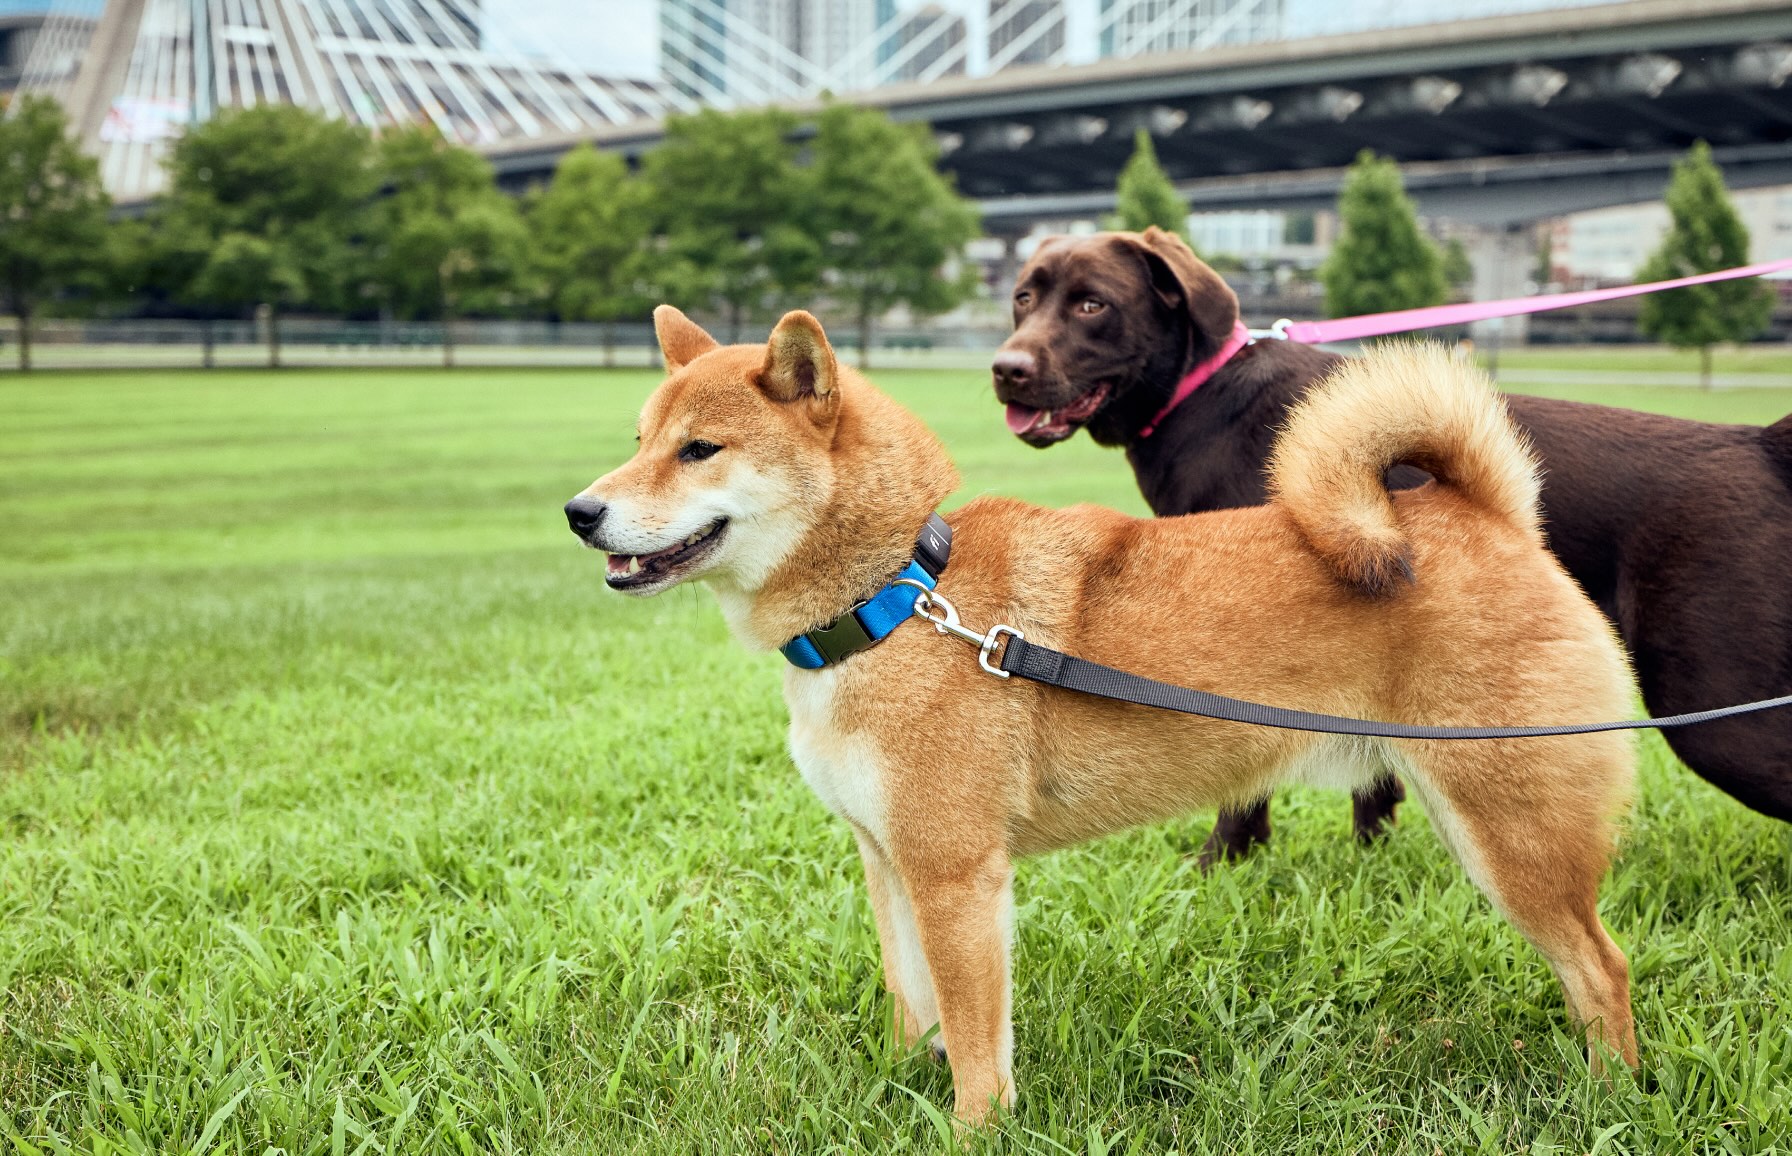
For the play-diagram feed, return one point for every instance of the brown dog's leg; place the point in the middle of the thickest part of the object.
(1372, 808)
(896, 941)
(965, 917)
(1235, 834)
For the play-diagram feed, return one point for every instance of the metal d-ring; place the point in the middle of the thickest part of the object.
(989, 647)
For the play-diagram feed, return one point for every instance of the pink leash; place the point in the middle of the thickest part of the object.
(1407, 320)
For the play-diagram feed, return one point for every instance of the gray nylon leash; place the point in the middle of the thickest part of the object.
(1042, 664)
(1049, 667)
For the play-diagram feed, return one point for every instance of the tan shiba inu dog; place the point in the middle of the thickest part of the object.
(795, 489)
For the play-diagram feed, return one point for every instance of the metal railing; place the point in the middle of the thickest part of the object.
(325, 342)
(320, 342)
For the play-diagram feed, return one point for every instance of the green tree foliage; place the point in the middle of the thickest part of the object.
(52, 213)
(1145, 196)
(261, 210)
(889, 223)
(277, 208)
(732, 212)
(1705, 235)
(1459, 271)
(1382, 261)
(443, 240)
(586, 233)
(1545, 271)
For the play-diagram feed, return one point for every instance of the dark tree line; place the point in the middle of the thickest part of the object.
(276, 210)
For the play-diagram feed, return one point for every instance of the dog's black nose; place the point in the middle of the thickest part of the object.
(583, 514)
(1014, 368)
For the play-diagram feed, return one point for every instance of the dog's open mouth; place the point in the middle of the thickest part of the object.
(630, 571)
(1042, 427)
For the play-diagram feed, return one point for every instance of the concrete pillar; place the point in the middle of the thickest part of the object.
(1504, 258)
(103, 69)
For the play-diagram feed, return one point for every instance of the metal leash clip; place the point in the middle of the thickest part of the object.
(947, 622)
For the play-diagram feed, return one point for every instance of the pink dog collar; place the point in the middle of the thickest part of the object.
(1197, 377)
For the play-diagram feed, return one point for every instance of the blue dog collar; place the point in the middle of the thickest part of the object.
(871, 621)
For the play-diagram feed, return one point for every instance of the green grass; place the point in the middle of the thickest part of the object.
(342, 810)
(1726, 359)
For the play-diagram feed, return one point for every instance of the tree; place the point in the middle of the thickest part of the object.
(889, 223)
(261, 210)
(1145, 196)
(444, 241)
(730, 202)
(1705, 235)
(586, 233)
(1458, 270)
(52, 213)
(1382, 261)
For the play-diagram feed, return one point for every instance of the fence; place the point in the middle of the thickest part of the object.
(173, 344)
(303, 341)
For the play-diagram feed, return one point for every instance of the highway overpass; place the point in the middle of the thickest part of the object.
(1497, 121)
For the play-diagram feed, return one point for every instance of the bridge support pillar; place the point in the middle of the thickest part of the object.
(103, 70)
(1503, 258)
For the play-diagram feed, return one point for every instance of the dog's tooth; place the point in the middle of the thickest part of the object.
(1045, 417)
(634, 564)
(694, 538)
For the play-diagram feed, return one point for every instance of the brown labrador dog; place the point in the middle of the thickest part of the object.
(1680, 530)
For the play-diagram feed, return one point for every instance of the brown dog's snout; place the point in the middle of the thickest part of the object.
(583, 514)
(1014, 368)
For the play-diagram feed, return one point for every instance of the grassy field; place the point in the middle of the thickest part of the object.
(1726, 359)
(342, 810)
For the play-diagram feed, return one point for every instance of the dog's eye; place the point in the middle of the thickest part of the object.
(696, 451)
(1023, 298)
(1091, 305)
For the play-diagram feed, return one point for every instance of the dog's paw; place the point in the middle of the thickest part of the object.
(936, 1050)
(1235, 835)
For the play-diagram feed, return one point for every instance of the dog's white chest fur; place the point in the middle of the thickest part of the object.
(843, 769)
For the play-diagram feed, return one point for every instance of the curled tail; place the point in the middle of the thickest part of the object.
(1412, 404)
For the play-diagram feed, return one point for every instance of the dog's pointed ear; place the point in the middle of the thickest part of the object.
(1184, 281)
(682, 340)
(799, 362)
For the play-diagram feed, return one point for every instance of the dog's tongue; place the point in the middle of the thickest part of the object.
(1024, 418)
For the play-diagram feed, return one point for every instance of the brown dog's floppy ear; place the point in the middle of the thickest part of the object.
(1184, 280)
(799, 362)
(682, 340)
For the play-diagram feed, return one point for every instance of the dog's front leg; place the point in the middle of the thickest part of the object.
(905, 967)
(965, 917)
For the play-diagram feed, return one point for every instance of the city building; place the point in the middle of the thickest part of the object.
(731, 52)
(927, 43)
(1026, 32)
(1130, 29)
(1608, 246)
(752, 51)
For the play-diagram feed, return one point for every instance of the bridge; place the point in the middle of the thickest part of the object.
(17, 31)
(1496, 121)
